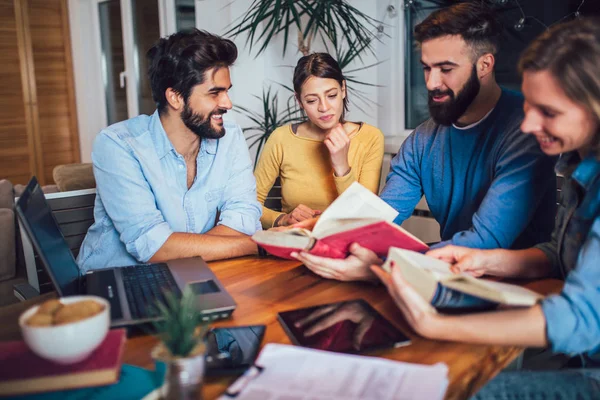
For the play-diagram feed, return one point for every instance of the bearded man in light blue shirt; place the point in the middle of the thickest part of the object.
(178, 183)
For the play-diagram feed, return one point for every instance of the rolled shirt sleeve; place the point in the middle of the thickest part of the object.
(550, 249)
(573, 316)
(240, 210)
(128, 198)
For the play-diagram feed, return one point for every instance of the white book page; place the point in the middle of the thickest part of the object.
(492, 290)
(438, 268)
(292, 372)
(510, 291)
(341, 225)
(356, 202)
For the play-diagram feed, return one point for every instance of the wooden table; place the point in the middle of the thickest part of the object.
(264, 286)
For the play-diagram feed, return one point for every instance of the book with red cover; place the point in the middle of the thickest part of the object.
(23, 372)
(356, 216)
(376, 235)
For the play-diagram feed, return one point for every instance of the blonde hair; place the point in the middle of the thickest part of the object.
(571, 53)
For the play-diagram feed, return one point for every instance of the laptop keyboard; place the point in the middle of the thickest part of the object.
(145, 286)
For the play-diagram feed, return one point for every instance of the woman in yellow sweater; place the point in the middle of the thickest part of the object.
(319, 158)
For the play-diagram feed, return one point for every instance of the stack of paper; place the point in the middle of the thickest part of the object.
(290, 372)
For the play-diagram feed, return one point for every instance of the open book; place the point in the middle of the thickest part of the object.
(444, 289)
(357, 215)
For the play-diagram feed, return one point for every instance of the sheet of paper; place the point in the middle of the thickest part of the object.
(297, 373)
(357, 202)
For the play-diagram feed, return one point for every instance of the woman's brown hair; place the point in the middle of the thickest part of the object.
(321, 65)
(571, 53)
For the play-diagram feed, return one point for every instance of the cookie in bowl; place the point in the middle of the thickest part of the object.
(66, 331)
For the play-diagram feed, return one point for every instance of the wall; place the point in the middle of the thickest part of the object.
(251, 74)
(91, 111)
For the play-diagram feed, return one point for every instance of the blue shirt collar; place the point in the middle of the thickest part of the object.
(210, 145)
(163, 144)
(585, 172)
(161, 141)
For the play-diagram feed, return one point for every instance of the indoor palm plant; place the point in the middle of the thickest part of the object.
(181, 348)
(268, 119)
(335, 21)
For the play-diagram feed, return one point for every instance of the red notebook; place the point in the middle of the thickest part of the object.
(23, 372)
(334, 238)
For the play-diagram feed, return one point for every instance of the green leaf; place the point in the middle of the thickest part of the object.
(269, 119)
(265, 18)
(178, 327)
(335, 19)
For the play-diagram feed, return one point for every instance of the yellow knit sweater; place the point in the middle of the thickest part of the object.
(306, 173)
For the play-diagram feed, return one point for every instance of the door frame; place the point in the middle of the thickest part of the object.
(87, 64)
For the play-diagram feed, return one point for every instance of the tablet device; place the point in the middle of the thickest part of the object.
(231, 351)
(346, 327)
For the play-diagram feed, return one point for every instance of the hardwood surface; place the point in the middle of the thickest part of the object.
(263, 287)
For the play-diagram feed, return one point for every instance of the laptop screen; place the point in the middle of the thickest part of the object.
(43, 231)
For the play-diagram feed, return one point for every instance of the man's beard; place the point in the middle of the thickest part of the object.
(449, 111)
(200, 125)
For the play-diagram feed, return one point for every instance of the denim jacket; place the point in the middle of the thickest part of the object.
(573, 316)
(578, 207)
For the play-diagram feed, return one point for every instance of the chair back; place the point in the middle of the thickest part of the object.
(273, 200)
(72, 177)
(74, 213)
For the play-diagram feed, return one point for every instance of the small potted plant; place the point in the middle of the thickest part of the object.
(181, 348)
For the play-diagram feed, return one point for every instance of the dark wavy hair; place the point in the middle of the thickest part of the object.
(180, 61)
(571, 53)
(321, 65)
(476, 23)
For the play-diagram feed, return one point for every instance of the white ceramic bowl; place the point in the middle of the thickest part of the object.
(71, 342)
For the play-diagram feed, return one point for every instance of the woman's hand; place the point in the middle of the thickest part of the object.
(307, 223)
(338, 143)
(419, 314)
(475, 262)
(298, 214)
(355, 267)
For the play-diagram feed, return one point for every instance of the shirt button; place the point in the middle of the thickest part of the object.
(180, 166)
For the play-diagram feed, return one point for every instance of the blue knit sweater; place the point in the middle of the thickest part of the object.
(488, 186)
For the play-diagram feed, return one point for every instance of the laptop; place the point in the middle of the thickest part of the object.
(131, 290)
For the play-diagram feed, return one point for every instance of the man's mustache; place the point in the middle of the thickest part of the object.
(220, 111)
(437, 93)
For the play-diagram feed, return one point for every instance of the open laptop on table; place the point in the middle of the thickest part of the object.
(131, 290)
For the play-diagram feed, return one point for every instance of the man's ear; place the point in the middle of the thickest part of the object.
(485, 65)
(174, 99)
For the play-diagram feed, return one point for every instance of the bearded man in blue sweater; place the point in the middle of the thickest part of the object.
(486, 183)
